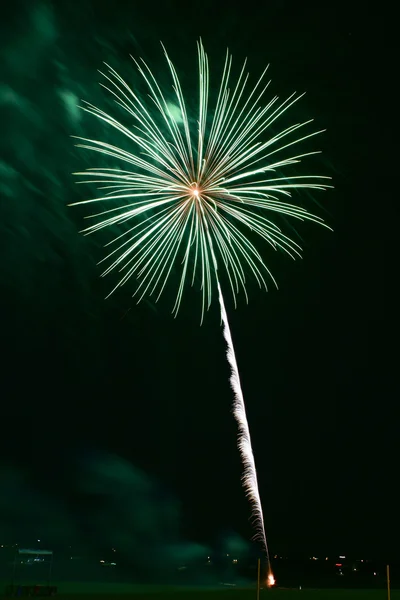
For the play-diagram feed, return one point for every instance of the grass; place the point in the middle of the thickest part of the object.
(242, 595)
(69, 591)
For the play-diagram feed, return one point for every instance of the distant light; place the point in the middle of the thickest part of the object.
(227, 554)
(102, 561)
(342, 557)
(374, 573)
(113, 564)
(234, 560)
(339, 565)
(38, 540)
(326, 558)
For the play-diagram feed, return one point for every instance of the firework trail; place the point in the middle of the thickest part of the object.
(197, 196)
(249, 478)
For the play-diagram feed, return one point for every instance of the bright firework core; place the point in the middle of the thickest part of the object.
(196, 191)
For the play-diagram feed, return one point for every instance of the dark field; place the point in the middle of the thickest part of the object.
(105, 592)
(240, 595)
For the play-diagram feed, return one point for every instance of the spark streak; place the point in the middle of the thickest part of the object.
(249, 478)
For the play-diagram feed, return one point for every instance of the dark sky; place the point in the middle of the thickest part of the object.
(81, 373)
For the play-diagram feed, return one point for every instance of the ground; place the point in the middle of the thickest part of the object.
(105, 592)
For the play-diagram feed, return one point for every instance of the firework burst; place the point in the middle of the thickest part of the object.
(192, 194)
(191, 198)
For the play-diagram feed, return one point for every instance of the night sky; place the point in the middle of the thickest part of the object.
(84, 378)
